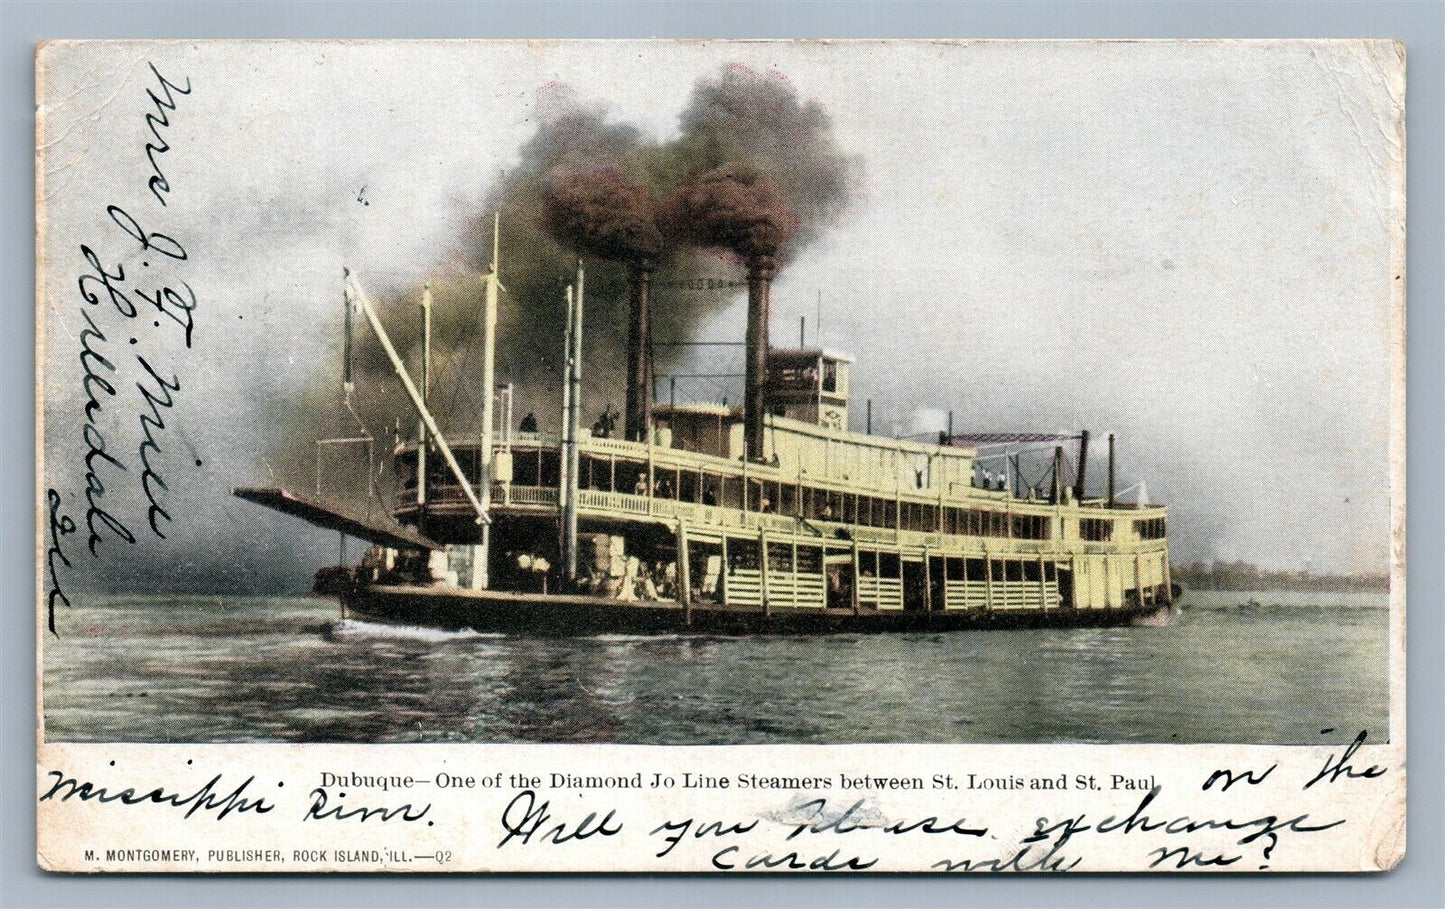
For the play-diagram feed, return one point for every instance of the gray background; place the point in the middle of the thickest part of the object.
(1418, 881)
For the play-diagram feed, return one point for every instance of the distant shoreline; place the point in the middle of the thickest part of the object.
(1238, 577)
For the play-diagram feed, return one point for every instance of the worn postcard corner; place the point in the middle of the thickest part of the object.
(720, 456)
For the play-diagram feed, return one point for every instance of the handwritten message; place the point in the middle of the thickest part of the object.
(131, 288)
(751, 810)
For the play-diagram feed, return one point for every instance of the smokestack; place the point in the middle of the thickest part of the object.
(760, 277)
(639, 364)
(1056, 493)
(1083, 465)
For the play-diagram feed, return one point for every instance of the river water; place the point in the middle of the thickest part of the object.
(1265, 667)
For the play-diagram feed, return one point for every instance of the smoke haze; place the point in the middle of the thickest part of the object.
(1187, 244)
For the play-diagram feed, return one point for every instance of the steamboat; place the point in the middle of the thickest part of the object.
(769, 517)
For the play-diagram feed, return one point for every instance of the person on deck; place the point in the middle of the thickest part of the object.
(529, 422)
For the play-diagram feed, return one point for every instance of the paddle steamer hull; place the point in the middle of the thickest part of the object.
(452, 609)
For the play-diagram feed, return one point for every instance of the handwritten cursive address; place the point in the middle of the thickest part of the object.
(115, 302)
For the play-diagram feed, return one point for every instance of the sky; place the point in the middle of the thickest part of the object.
(1188, 245)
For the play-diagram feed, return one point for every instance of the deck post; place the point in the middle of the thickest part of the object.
(856, 578)
(763, 560)
(795, 572)
(723, 570)
(987, 581)
(927, 581)
(684, 572)
(1138, 579)
(1044, 585)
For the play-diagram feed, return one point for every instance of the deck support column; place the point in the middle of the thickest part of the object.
(763, 563)
(987, 581)
(927, 581)
(1044, 584)
(857, 579)
(684, 573)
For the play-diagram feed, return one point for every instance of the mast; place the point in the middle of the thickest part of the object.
(481, 559)
(421, 439)
(564, 487)
(574, 414)
(357, 296)
(1111, 470)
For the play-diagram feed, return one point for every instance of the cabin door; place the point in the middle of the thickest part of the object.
(915, 594)
(840, 582)
(937, 589)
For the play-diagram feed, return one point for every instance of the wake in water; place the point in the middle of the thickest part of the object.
(355, 629)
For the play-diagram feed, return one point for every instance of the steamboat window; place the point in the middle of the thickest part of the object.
(975, 570)
(788, 500)
(1013, 570)
(868, 564)
(595, 473)
(524, 469)
(665, 483)
(810, 560)
(830, 375)
(1031, 571)
(1096, 530)
(548, 468)
(1030, 527)
(930, 518)
(1152, 529)
(780, 557)
(1050, 571)
(888, 565)
(743, 555)
(732, 492)
(630, 477)
(757, 496)
(953, 569)
(687, 487)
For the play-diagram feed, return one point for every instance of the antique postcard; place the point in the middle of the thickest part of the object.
(720, 456)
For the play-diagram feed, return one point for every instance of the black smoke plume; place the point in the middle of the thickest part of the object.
(752, 124)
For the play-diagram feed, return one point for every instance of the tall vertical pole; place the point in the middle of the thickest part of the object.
(564, 456)
(574, 419)
(1079, 487)
(755, 379)
(638, 419)
(868, 424)
(950, 424)
(1111, 470)
(1056, 493)
(349, 312)
(481, 562)
(802, 332)
(421, 437)
(507, 418)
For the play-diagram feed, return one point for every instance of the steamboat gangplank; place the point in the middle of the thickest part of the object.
(769, 517)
